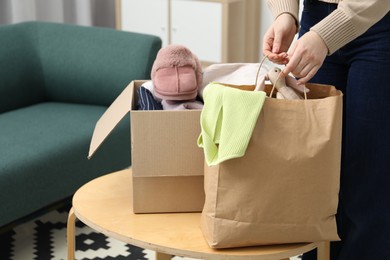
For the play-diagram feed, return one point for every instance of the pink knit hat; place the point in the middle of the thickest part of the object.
(176, 73)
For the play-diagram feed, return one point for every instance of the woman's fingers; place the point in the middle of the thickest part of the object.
(306, 57)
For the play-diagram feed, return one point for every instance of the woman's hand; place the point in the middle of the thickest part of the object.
(306, 57)
(278, 38)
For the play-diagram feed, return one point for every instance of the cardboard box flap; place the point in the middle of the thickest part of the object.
(111, 117)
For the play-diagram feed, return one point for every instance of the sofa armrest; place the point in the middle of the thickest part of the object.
(21, 80)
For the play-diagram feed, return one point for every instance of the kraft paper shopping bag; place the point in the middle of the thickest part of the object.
(285, 188)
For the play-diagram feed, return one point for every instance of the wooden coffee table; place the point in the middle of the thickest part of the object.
(104, 204)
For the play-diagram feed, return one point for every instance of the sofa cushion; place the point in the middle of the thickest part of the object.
(43, 61)
(43, 154)
(95, 65)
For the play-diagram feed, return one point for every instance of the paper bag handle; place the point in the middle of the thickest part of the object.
(257, 87)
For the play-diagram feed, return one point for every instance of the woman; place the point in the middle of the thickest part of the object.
(346, 43)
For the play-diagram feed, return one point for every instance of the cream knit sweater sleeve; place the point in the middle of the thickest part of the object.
(350, 20)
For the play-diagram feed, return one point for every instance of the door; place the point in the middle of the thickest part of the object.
(146, 16)
(198, 26)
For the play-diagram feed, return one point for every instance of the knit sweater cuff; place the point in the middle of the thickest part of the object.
(280, 7)
(336, 30)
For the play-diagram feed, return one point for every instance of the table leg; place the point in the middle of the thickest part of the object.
(161, 256)
(323, 251)
(71, 234)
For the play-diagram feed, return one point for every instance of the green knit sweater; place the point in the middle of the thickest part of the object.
(227, 121)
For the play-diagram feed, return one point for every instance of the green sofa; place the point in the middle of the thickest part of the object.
(56, 80)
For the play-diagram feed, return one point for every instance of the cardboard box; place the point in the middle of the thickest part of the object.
(167, 164)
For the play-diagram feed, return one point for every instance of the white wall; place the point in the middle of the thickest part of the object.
(265, 21)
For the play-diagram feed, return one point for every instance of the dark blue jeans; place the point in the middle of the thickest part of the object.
(361, 70)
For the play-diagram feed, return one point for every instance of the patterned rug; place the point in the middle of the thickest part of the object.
(44, 238)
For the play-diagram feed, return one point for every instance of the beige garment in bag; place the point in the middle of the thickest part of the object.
(244, 76)
(285, 188)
